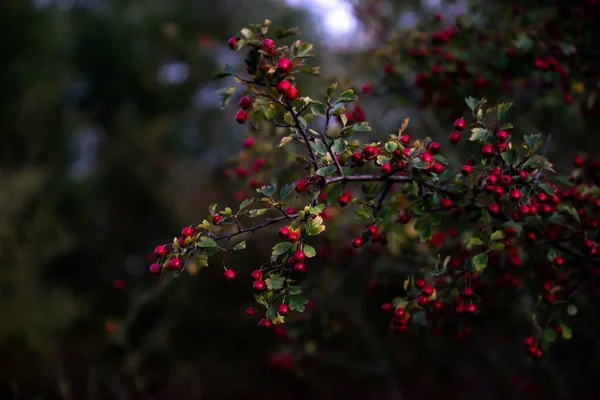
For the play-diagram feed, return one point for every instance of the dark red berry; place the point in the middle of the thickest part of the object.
(284, 65)
(174, 264)
(357, 242)
(259, 286)
(233, 41)
(160, 251)
(241, 116)
(155, 268)
(454, 137)
(229, 274)
(245, 103)
(283, 309)
(459, 124)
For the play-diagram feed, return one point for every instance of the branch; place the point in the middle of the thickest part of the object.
(327, 144)
(311, 151)
(369, 178)
(254, 228)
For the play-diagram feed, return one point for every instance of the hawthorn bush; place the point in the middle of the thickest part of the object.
(502, 232)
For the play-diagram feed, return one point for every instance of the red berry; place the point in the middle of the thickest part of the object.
(174, 264)
(515, 195)
(241, 116)
(293, 237)
(283, 309)
(291, 94)
(299, 267)
(578, 162)
(344, 200)
(245, 103)
(559, 261)
(501, 136)
(487, 150)
(232, 42)
(434, 147)
(248, 143)
(528, 341)
(216, 219)
(494, 209)
(405, 218)
(284, 65)
(405, 140)
(523, 176)
(299, 255)
(459, 124)
(301, 186)
(250, 311)
(284, 232)
(283, 87)
(269, 46)
(386, 307)
(256, 274)
(229, 274)
(371, 230)
(467, 292)
(471, 308)
(446, 204)
(428, 291)
(454, 137)
(264, 323)
(258, 285)
(420, 283)
(155, 269)
(466, 170)
(386, 169)
(357, 242)
(427, 157)
(437, 169)
(160, 251)
(187, 232)
(422, 301)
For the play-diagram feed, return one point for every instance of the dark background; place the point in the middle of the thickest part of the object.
(111, 141)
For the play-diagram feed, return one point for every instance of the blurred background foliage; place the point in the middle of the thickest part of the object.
(112, 140)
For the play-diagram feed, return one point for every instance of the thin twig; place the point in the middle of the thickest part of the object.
(311, 151)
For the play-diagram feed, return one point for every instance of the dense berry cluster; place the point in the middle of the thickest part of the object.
(500, 222)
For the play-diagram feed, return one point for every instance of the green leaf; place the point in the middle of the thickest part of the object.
(572, 310)
(286, 190)
(425, 228)
(318, 109)
(546, 188)
(347, 96)
(420, 165)
(271, 314)
(247, 33)
(304, 50)
(472, 103)
(567, 48)
(319, 147)
(314, 226)
(532, 140)
(328, 170)
(503, 110)
(257, 213)
(207, 242)
(297, 303)
(226, 94)
(268, 190)
(511, 157)
(275, 282)
(344, 119)
(338, 146)
(281, 33)
(475, 241)
(570, 210)
(550, 335)
(480, 262)
(361, 127)
(316, 210)
(391, 146)
(524, 43)
(240, 246)
(506, 126)
(363, 213)
(497, 235)
(246, 203)
(567, 332)
(285, 140)
(201, 260)
(295, 290)
(281, 248)
(331, 88)
(496, 246)
(480, 134)
(309, 251)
